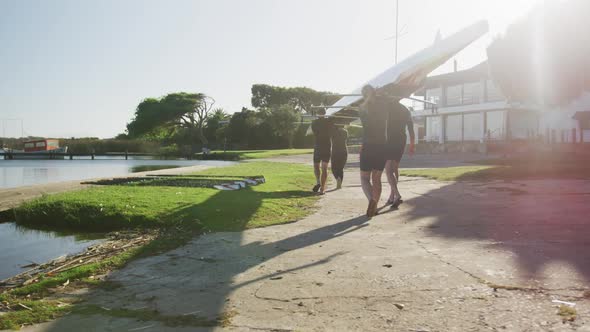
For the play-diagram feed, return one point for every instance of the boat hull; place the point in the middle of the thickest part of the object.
(58, 153)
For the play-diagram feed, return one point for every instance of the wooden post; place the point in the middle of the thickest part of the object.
(71, 156)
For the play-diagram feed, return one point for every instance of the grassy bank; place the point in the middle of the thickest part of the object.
(175, 209)
(253, 154)
(284, 197)
(506, 169)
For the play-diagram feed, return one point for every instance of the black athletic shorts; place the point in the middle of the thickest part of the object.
(321, 154)
(395, 149)
(372, 157)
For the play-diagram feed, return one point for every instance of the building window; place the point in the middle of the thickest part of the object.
(472, 127)
(29, 145)
(434, 95)
(52, 144)
(454, 95)
(495, 125)
(453, 128)
(471, 93)
(492, 92)
(433, 128)
(40, 144)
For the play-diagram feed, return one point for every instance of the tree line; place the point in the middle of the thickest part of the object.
(191, 120)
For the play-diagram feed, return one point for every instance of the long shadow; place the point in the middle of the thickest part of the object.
(198, 279)
(540, 222)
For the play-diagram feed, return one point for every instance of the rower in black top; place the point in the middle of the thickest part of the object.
(339, 154)
(400, 118)
(374, 112)
(322, 129)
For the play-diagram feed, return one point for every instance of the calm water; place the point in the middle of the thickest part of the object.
(17, 173)
(21, 246)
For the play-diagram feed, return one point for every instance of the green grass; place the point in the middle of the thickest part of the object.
(285, 197)
(42, 311)
(255, 154)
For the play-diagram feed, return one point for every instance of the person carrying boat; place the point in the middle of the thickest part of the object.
(339, 154)
(374, 113)
(399, 119)
(322, 129)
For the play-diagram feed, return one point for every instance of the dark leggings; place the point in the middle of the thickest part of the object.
(338, 162)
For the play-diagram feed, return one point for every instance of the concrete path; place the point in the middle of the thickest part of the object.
(454, 257)
(12, 197)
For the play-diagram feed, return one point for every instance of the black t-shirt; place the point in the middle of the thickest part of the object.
(374, 116)
(339, 140)
(322, 129)
(399, 119)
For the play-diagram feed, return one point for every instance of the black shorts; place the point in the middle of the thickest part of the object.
(373, 157)
(395, 149)
(321, 154)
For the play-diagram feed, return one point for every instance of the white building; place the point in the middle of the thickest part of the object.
(472, 109)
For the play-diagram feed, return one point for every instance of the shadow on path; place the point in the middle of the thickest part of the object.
(197, 279)
(540, 222)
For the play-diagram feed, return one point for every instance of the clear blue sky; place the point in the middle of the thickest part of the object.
(80, 67)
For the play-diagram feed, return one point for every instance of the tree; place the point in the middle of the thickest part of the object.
(282, 121)
(215, 122)
(173, 112)
(300, 98)
(240, 127)
(545, 57)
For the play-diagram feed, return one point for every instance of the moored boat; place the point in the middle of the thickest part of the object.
(37, 149)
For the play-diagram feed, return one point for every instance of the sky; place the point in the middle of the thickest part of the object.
(78, 68)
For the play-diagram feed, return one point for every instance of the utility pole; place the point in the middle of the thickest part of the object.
(396, 27)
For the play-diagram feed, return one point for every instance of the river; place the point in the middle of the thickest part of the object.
(18, 173)
(20, 246)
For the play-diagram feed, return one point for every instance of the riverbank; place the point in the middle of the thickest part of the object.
(237, 155)
(175, 212)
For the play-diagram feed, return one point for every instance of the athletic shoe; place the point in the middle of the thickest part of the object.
(316, 188)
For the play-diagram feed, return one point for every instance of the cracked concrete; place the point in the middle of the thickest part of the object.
(454, 257)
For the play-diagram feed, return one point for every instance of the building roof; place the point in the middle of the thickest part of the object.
(472, 74)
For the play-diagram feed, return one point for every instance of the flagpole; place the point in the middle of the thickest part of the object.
(396, 26)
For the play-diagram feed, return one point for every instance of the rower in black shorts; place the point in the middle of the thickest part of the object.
(399, 119)
(374, 113)
(322, 129)
(339, 154)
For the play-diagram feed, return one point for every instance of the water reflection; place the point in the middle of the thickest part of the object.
(21, 246)
(17, 173)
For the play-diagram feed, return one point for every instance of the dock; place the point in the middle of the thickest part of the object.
(71, 156)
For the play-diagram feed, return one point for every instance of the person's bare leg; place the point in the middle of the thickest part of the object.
(324, 177)
(392, 169)
(317, 172)
(376, 177)
(366, 184)
(391, 179)
(395, 165)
